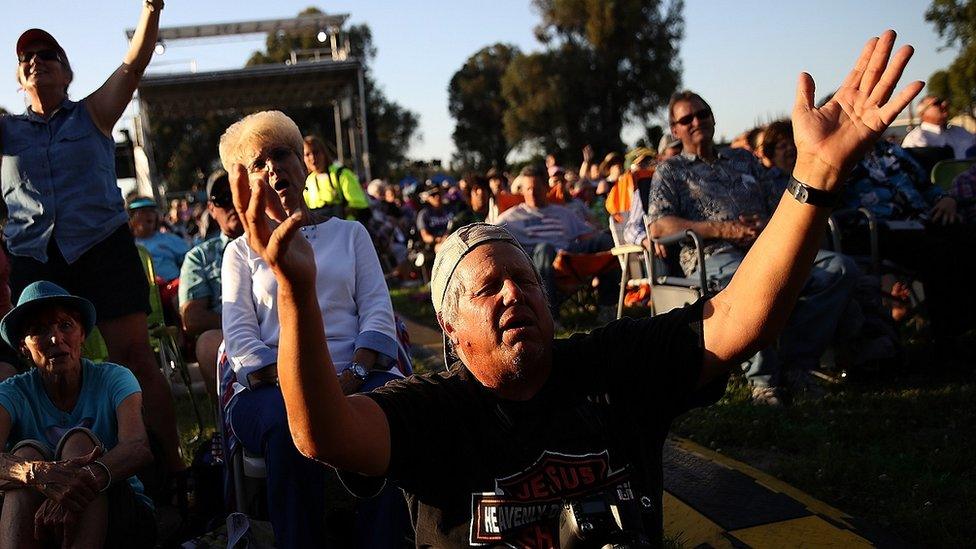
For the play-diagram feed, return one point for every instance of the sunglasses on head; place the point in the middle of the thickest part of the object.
(43, 55)
(704, 114)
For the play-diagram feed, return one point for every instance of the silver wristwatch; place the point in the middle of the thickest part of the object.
(359, 371)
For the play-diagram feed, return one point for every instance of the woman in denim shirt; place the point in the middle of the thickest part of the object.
(66, 221)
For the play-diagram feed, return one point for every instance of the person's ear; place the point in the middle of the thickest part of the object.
(448, 329)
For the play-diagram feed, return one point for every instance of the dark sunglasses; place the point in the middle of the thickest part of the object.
(43, 55)
(704, 114)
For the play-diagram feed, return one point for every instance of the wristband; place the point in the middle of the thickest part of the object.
(805, 194)
(107, 473)
(92, 473)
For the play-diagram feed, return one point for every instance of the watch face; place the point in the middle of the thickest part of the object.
(359, 371)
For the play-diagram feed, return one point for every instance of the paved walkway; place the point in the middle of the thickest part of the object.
(713, 501)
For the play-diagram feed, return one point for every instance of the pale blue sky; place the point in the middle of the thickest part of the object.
(742, 56)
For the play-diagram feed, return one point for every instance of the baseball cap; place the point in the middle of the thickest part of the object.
(638, 155)
(453, 250)
(141, 203)
(30, 36)
(667, 141)
(217, 182)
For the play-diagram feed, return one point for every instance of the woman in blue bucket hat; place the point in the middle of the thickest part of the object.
(72, 431)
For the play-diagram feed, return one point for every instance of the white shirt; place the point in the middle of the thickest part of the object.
(352, 294)
(931, 135)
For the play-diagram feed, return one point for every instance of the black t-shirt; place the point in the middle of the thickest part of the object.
(481, 470)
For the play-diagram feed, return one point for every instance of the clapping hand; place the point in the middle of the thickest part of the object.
(588, 154)
(830, 139)
(289, 257)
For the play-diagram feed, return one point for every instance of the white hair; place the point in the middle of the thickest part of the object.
(244, 138)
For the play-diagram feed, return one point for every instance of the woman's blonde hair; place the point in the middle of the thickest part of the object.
(244, 138)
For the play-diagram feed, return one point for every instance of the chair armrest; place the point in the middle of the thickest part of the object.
(680, 281)
(626, 249)
(671, 239)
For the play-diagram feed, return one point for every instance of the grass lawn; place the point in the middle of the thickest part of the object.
(899, 454)
(897, 450)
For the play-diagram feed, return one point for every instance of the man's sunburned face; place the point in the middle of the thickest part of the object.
(502, 325)
(699, 129)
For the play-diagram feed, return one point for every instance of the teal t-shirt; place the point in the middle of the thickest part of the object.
(33, 416)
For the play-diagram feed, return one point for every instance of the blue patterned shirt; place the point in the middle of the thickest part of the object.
(688, 187)
(890, 183)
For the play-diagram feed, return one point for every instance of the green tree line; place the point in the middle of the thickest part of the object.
(603, 64)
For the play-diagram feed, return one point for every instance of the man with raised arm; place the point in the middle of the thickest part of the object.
(489, 452)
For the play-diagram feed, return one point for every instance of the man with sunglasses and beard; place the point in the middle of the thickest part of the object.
(200, 287)
(725, 197)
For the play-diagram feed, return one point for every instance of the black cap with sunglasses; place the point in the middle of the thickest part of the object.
(218, 190)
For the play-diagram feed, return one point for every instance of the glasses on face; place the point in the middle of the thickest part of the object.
(44, 55)
(702, 115)
(276, 155)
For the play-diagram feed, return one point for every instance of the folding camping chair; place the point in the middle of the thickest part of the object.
(164, 342)
(944, 172)
(631, 257)
(669, 291)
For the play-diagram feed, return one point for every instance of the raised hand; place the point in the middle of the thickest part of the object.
(290, 257)
(588, 154)
(829, 140)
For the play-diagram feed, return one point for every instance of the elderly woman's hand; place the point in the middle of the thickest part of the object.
(278, 246)
(52, 517)
(66, 482)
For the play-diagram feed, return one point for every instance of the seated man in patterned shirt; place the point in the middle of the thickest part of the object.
(725, 198)
(200, 279)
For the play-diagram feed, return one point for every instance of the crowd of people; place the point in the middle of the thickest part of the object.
(277, 272)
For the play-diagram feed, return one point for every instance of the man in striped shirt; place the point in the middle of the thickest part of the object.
(544, 229)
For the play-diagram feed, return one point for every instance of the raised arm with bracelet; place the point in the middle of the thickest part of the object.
(754, 308)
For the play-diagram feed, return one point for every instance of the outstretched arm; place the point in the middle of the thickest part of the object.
(107, 103)
(350, 433)
(755, 306)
